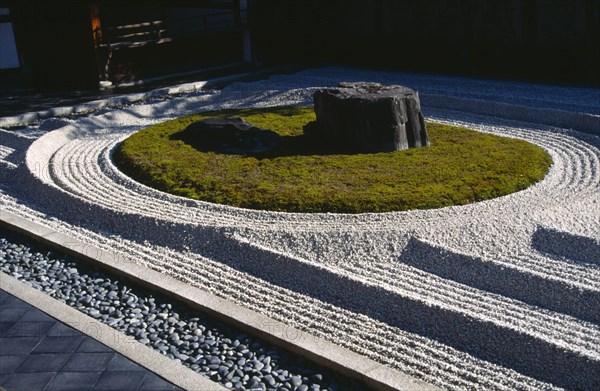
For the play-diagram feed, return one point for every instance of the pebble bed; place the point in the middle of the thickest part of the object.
(502, 294)
(205, 345)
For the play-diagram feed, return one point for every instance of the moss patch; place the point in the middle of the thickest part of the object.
(461, 166)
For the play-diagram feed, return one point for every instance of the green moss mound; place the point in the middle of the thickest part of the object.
(460, 167)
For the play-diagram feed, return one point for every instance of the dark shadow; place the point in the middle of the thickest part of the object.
(573, 248)
(485, 340)
(488, 341)
(497, 278)
(263, 143)
(310, 143)
(228, 135)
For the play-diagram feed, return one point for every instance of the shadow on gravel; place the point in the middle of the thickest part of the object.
(511, 348)
(249, 141)
(574, 248)
(507, 347)
(503, 280)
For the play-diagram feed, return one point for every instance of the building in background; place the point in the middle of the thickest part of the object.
(146, 40)
(83, 43)
(9, 58)
(547, 40)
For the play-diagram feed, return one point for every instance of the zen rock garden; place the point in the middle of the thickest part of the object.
(471, 277)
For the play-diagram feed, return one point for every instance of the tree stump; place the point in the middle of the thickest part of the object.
(370, 117)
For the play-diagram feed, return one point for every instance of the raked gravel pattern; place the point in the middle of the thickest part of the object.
(205, 345)
(501, 294)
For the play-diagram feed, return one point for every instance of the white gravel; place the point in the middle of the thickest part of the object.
(502, 294)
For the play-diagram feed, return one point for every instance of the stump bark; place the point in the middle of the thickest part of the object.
(370, 117)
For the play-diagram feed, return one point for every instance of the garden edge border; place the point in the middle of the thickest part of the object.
(339, 359)
(579, 121)
(144, 356)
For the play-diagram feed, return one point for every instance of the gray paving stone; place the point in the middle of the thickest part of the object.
(12, 314)
(43, 363)
(123, 380)
(155, 383)
(62, 330)
(36, 315)
(4, 327)
(120, 363)
(13, 302)
(9, 363)
(58, 345)
(42, 353)
(87, 362)
(9, 346)
(29, 329)
(28, 381)
(80, 381)
(92, 346)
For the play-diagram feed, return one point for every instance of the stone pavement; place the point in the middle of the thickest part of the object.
(37, 352)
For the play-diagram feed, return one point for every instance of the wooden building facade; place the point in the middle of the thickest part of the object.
(81, 43)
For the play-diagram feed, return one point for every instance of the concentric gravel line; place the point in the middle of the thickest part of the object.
(77, 158)
(465, 362)
(408, 278)
(510, 375)
(164, 204)
(573, 181)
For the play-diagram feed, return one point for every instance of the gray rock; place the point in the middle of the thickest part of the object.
(270, 380)
(258, 365)
(369, 117)
(205, 349)
(254, 385)
(230, 135)
(296, 381)
(213, 360)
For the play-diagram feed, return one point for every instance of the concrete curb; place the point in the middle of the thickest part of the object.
(117, 101)
(128, 99)
(127, 346)
(327, 354)
(95, 105)
(582, 122)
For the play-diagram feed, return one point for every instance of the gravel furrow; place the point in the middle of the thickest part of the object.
(404, 348)
(206, 245)
(77, 172)
(556, 328)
